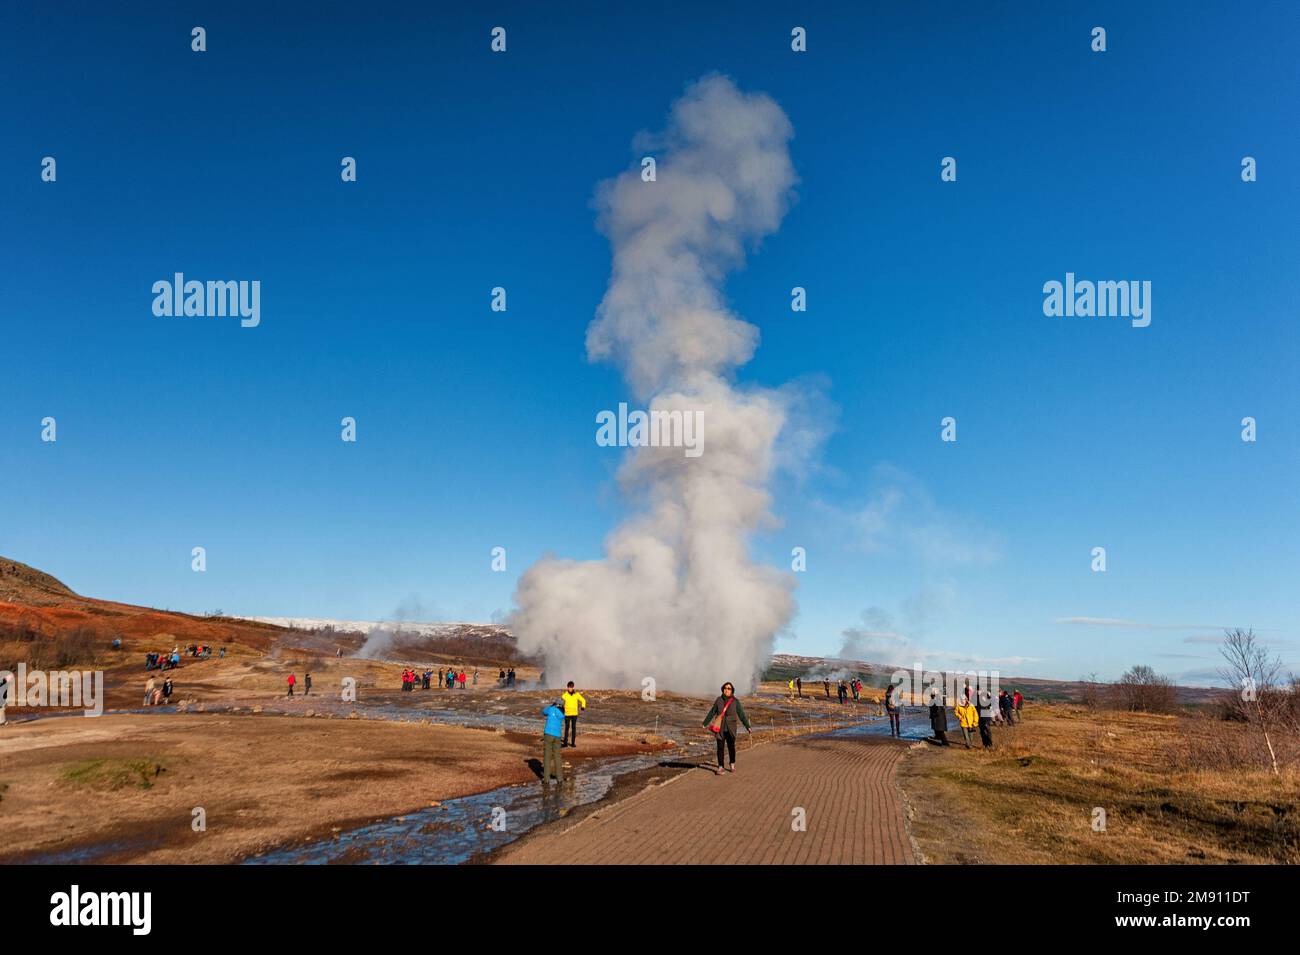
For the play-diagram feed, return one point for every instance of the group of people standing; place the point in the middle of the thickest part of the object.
(846, 687)
(163, 661)
(976, 710)
(449, 678)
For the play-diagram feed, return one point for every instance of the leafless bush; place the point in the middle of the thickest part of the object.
(1143, 690)
(1090, 691)
(71, 648)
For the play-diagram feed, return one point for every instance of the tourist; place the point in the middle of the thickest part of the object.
(1004, 705)
(292, 680)
(148, 691)
(573, 702)
(721, 720)
(1017, 704)
(938, 719)
(986, 710)
(552, 742)
(967, 717)
(892, 710)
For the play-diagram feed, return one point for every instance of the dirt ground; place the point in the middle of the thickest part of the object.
(269, 770)
(123, 788)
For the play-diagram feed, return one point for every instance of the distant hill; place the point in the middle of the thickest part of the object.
(415, 641)
(27, 585)
(786, 666)
(35, 606)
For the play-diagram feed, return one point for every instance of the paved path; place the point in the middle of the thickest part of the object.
(845, 786)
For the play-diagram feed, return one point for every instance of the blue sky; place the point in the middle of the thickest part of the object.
(476, 429)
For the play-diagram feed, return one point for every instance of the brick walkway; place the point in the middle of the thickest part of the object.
(845, 786)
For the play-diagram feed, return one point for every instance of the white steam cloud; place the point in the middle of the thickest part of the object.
(677, 597)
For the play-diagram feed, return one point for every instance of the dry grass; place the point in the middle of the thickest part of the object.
(1032, 798)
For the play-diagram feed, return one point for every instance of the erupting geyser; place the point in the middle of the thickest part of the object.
(677, 597)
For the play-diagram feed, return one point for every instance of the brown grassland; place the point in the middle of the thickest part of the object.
(1186, 788)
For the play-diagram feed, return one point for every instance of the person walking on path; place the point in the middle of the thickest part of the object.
(292, 680)
(552, 733)
(306, 684)
(1017, 704)
(892, 710)
(939, 720)
(6, 682)
(967, 717)
(827, 685)
(721, 719)
(798, 686)
(148, 691)
(573, 702)
(1004, 704)
(986, 718)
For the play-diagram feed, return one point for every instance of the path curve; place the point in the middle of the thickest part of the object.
(846, 788)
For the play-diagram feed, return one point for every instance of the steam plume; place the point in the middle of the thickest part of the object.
(677, 597)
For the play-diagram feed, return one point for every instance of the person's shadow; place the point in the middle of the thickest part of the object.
(535, 765)
(682, 764)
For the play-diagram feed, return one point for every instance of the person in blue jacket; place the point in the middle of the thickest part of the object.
(552, 736)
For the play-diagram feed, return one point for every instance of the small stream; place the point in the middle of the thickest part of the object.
(459, 830)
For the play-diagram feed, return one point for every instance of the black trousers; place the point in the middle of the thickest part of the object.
(986, 735)
(570, 731)
(893, 723)
(727, 743)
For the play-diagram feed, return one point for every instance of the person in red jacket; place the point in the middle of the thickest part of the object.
(1017, 703)
(292, 681)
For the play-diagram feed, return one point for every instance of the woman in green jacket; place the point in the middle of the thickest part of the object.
(722, 717)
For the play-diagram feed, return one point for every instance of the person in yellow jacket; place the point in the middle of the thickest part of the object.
(968, 717)
(573, 702)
